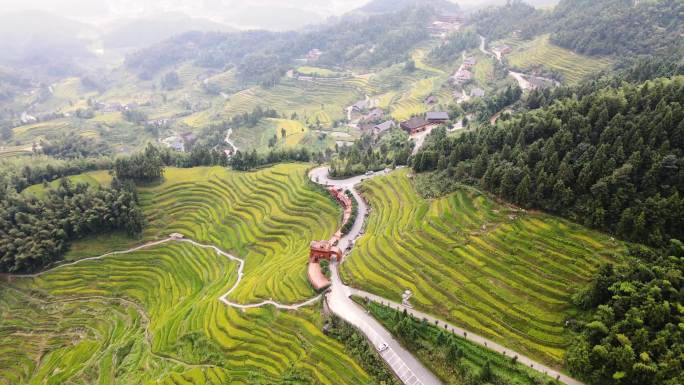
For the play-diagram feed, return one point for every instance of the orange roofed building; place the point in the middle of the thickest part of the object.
(328, 250)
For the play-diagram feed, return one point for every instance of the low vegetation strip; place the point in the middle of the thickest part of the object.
(452, 357)
(487, 267)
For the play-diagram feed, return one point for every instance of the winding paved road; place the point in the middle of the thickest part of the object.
(405, 366)
(402, 362)
(343, 306)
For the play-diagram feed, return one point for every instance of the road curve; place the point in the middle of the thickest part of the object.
(405, 366)
(341, 304)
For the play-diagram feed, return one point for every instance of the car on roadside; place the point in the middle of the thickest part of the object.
(382, 348)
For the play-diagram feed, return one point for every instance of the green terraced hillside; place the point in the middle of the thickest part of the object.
(541, 52)
(154, 316)
(492, 269)
(267, 217)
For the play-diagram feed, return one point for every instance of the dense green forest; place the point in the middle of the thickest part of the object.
(618, 27)
(499, 22)
(611, 159)
(73, 146)
(636, 333)
(36, 232)
(454, 46)
(607, 27)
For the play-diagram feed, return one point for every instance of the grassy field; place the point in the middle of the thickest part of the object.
(317, 71)
(257, 137)
(494, 270)
(93, 178)
(540, 52)
(153, 316)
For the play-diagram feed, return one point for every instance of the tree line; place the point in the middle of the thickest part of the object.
(35, 233)
(371, 153)
(611, 160)
(455, 44)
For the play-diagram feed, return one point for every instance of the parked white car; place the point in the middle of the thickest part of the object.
(382, 348)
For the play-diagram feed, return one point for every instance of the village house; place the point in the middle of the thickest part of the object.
(374, 115)
(477, 93)
(438, 117)
(383, 127)
(360, 106)
(463, 76)
(469, 62)
(175, 143)
(320, 250)
(414, 125)
(501, 50)
(313, 55)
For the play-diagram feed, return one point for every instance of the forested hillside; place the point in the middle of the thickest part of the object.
(618, 27)
(263, 57)
(499, 22)
(611, 159)
(607, 27)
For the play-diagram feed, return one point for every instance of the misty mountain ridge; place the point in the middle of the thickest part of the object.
(144, 31)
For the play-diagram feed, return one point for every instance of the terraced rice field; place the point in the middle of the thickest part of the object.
(14, 151)
(304, 98)
(153, 316)
(540, 52)
(489, 268)
(266, 217)
(412, 102)
(257, 137)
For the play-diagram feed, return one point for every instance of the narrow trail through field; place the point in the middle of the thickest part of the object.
(178, 238)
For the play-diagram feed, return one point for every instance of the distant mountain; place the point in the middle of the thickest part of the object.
(51, 43)
(142, 32)
(387, 6)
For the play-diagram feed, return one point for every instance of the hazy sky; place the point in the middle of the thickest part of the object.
(238, 13)
(215, 9)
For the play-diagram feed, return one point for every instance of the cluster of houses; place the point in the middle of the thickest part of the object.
(463, 75)
(180, 143)
(418, 124)
(446, 24)
(313, 55)
(110, 107)
(501, 50)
